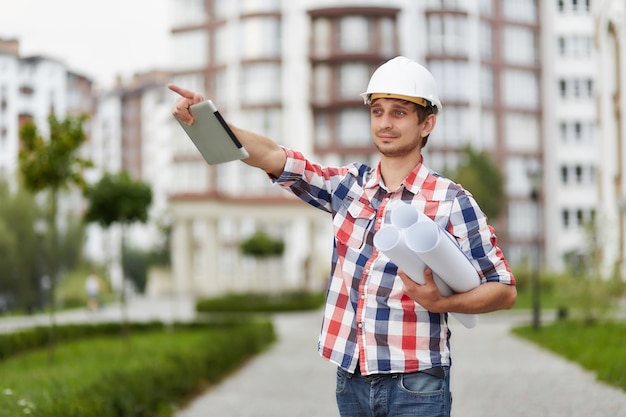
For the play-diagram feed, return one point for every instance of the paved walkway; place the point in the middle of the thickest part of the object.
(494, 374)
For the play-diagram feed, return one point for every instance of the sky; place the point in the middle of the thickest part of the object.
(96, 38)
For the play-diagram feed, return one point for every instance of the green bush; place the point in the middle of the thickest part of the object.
(38, 337)
(109, 377)
(262, 245)
(262, 303)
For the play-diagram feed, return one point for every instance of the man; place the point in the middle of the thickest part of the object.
(387, 334)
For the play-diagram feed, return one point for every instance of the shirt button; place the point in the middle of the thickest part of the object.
(360, 325)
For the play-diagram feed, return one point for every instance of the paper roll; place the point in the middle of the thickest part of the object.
(391, 241)
(404, 215)
(437, 249)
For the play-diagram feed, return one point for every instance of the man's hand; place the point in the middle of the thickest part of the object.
(427, 295)
(186, 99)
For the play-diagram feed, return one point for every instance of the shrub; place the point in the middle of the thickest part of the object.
(264, 303)
(106, 377)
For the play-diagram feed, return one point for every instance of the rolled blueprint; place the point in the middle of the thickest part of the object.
(404, 215)
(390, 240)
(435, 247)
(414, 241)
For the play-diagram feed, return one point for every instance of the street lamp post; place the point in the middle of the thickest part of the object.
(534, 176)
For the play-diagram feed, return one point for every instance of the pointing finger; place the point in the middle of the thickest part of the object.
(188, 94)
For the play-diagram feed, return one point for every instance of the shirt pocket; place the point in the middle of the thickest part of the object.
(352, 222)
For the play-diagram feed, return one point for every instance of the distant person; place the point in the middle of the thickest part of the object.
(92, 286)
(388, 335)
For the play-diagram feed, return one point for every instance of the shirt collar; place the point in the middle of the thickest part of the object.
(413, 182)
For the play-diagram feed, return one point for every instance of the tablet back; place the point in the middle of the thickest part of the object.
(210, 133)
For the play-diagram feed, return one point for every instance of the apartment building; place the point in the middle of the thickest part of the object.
(571, 139)
(32, 88)
(131, 131)
(535, 83)
(293, 70)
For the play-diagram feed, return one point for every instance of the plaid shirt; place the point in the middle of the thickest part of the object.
(367, 317)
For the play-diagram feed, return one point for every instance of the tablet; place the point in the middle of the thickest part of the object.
(212, 136)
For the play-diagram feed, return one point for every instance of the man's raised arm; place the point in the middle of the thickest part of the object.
(264, 153)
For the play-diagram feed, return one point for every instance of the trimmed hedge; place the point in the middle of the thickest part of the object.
(142, 376)
(37, 337)
(262, 303)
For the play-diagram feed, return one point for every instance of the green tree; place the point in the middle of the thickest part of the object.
(479, 174)
(265, 249)
(21, 252)
(118, 199)
(53, 165)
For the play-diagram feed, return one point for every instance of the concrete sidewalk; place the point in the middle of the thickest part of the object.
(290, 379)
(494, 374)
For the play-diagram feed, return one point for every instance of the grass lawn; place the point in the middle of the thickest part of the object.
(597, 347)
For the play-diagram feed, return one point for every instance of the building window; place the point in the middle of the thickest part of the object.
(452, 79)
(565, 218)
(353, 79)
(576, 88)
(353, 128)
(580, 218)
(354, 34)
(564, 172)
(451, 132)
(581, 7)
(260, 38)
(563, 131)
(447, 34)
(521, 89)
(485, 40)
(575, 46)
(267, 122)
(322, 34)
(525, 50)
(579, 174)
(520, 10)
(387, 36)
(255, 92)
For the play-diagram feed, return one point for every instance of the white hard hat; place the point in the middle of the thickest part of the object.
(403, 78)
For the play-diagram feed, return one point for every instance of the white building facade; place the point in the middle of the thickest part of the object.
(610, 42)
(293, 70)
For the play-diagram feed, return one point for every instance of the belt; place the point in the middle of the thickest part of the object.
(437, 372)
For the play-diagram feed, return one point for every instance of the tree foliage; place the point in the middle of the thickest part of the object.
(262, 245)
(53, 164)
(479, 174)
(117, 198)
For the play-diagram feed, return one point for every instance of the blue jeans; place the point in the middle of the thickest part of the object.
(398, 395)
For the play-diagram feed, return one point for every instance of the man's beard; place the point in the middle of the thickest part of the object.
(394, 150)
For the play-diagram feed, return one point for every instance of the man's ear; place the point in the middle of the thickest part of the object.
(429, 124)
